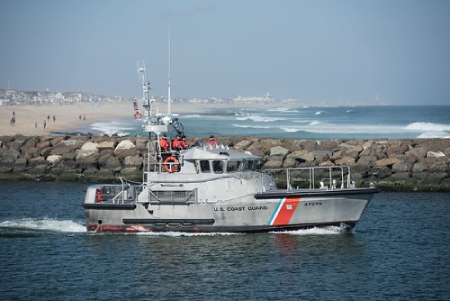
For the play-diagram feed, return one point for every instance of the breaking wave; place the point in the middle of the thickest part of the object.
(114, 127)
(257, 118)
(283, 110)
(427, 127)
(291, 130)
(192, 116)
(440, 135)
(251, 126)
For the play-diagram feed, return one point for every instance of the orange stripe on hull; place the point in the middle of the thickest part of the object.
(286, 211)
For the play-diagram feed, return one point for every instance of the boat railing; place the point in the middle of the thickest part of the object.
(160, 161)
(174, 197)
(318, 177)
(118, 193)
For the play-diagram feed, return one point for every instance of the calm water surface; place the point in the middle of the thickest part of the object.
(398, 251)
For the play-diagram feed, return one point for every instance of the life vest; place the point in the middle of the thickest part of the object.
(164, 144)
(212, 143)
(171, 164)
(99, 196)
(183, 144)
(176, 144)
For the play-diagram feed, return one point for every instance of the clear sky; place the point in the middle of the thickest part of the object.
(313, 51)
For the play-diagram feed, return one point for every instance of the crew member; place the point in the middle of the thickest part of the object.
(183, 143)
(99, 196)
(176, 144)
(164, 144)
(212, 142)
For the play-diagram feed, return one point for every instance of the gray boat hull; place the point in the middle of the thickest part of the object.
(270, 211)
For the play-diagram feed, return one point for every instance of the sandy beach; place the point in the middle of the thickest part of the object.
(29, 119)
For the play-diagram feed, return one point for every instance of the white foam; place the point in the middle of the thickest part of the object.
(192, 116)
(440, 135)
(283, 110)
(251, 126)
(331, 128)
(278, 110)
(44, 224)
(331, 230)
(184, 234)
(427, 127)
(290, 129)
(257, 118)
(113, 127)
(319, 113)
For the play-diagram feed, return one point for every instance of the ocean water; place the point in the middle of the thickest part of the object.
(331, 123)
(398, 251)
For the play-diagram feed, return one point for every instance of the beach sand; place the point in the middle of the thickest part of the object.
(30, 118)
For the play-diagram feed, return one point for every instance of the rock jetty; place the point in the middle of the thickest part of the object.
(396, 165)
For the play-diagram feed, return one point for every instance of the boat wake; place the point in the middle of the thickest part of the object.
(43, 224)
(184, 234)
(330, 230)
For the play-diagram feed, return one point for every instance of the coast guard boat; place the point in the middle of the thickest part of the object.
(215, 188)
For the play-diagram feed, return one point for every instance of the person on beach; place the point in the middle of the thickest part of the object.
(48, 117)
(54, 118)
(45, 124)
(35, 124)
(13, 121)
(79, 117)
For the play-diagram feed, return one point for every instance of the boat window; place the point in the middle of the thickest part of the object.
(204, 166)
(249, 164)
(217, 166)
(233, 166)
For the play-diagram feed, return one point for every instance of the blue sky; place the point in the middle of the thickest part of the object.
(328, 52)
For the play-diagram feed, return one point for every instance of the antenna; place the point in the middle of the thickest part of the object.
(145, 86)
(169, 109)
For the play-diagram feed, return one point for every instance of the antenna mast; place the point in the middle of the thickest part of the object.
(145, 87)
(169, 109)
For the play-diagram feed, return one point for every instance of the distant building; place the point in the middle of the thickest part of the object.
(4, 101)
(265, 98)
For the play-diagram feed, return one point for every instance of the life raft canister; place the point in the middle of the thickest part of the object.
(171, 164)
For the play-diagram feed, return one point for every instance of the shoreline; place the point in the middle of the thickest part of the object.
(29, 119)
